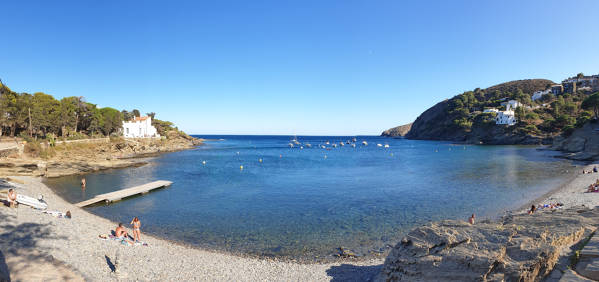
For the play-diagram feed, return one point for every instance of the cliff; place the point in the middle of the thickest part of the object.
(461, 119)
(517, 248)
(398, 131)
(582, 144)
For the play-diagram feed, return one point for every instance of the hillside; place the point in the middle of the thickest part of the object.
(401, 130)
(462, 119)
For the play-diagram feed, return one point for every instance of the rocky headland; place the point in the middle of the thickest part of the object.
(87, 155)
(398, 131)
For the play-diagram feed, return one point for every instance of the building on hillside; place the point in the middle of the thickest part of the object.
(539, 94)
(569, 87)
(139, 127)
(507, 117)
(591, 81)
(557, 89)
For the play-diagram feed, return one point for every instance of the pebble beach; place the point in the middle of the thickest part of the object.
(70, 249)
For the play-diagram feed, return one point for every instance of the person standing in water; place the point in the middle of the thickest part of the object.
(136, 232)
(83, 183)
(471, 219)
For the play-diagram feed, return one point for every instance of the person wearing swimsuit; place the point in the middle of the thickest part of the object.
(136, 225)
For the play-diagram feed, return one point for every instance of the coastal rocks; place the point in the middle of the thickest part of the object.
(582, 144)
(398, 131)
(516, 248)
(88, 156)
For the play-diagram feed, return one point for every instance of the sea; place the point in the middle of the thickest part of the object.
(259, 196)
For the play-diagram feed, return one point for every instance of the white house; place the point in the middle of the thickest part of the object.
(139, 127)
(537, 95)
(508, 116)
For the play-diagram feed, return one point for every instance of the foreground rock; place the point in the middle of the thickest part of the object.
(398, 131)
(517, 248)
(582, 144)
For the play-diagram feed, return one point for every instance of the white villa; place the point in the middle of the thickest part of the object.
(139, 127)
(537, 95)
(508, 116)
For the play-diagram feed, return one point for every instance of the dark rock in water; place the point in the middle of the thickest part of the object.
(517, 248)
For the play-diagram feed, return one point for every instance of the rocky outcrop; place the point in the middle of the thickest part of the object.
(582, 144)
(398, 131)
(81, 157)
(516, 248)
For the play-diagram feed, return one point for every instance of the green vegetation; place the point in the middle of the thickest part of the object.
(42, 116)
(548, 116)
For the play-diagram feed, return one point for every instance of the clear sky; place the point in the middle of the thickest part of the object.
(289, 67)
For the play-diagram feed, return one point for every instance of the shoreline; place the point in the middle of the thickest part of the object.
(172, 252)
(75, 242)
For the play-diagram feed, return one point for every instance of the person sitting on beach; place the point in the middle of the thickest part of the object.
(120, 231)
(471, 219)
(532, 209)
(136, 225)
(12, 198)
(595, 169)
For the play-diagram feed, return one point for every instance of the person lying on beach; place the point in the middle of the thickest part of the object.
(136, 225)
(532, 209)
(471, 219)
(12, 198)
(120, 231)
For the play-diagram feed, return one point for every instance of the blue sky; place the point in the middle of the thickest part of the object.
(289, 67)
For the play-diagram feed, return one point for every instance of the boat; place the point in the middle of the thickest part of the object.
(327, 142)
(354, 139)
(341, 143)
(379, 145)
(308, 145)
(364, 143)
(290, 145)
(32, 202)
(386, 145)
(353, 145)
(335, 145)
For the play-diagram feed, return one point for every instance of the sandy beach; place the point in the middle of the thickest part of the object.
(69, 249)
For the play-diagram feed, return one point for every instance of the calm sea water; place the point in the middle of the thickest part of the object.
(305, 203)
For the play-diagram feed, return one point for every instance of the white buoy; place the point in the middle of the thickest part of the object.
(204, 162)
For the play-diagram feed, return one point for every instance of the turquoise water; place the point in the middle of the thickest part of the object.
(305, 203)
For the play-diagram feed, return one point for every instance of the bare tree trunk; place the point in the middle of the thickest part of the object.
(30, 128)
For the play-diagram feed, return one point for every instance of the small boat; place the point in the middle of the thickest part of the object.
(335, 145)
(290, 145)
(308, 145)
(364, 143)
(32, 202)
(354, 139)
(379, 145)
(386, 145)
(323, 146)
(341, 143)
(327, 142)
(353, 145)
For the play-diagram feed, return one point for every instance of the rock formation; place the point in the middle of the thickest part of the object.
(582, 144)
(81, 156)
(516, 248)
(398, 131)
